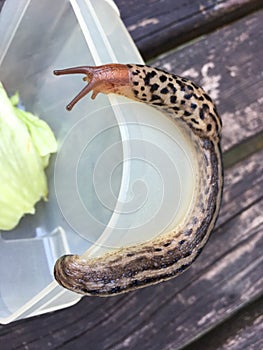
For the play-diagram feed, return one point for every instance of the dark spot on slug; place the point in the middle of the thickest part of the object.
(187, 114)
(84, 290)
(176, 108)
(142, 88)
(209, 127)
(172, 87)
(193, 105)
(173, 99)
(208, 97)
(157, 103)
(214, 119)
(181, 269)
(194, 85)
(205, 107)
(163, 78)
(201, 114)
(148, 77)
(164, 91)
(158, 249)
(154, 87)
(189, 87)
(182, 241)
(155, 97)
(135, 283)
(194, 121)
(188, 96)
(181, 84)
(167, 244)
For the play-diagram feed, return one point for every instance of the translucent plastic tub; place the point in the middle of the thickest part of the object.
(123, 172)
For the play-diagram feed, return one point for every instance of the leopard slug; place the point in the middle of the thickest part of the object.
(169, 254)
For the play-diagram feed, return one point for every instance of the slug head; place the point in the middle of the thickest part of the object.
(109, 78)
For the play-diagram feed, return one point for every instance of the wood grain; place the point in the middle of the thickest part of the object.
(242, 188)
(243, 331)
(158, 26)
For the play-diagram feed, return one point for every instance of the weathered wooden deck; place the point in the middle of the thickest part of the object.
(216, 304)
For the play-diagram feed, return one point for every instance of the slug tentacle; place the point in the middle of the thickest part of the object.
(171, 253)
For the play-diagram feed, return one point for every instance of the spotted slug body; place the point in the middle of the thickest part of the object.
(171, 253)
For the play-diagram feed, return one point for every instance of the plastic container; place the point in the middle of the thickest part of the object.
(123, 172)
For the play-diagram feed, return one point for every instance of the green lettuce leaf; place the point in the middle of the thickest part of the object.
(25, 145)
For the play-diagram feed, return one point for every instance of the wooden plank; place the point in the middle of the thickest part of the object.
(242, 187)
(226, 65)
(224, 278)
(158, 26)
(241, 332)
